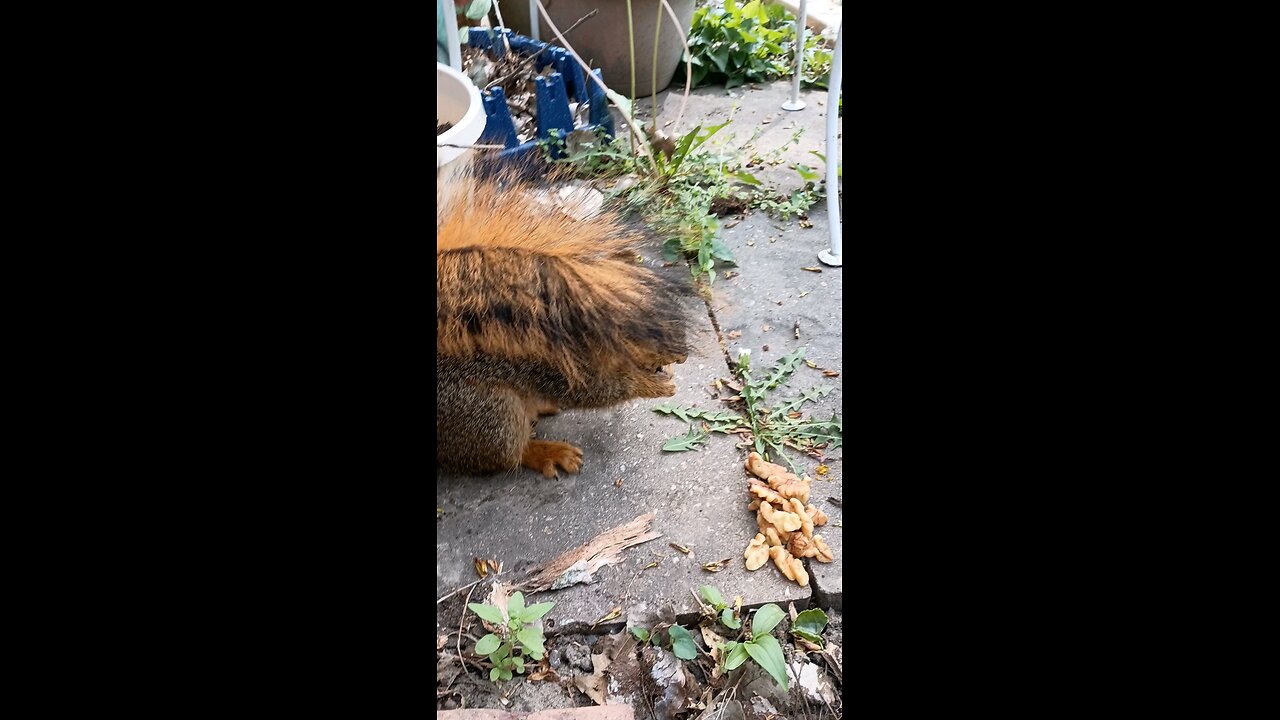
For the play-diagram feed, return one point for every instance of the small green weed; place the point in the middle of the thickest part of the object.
(809, 625)
(761, 647)
(517, 638)
(770, 428)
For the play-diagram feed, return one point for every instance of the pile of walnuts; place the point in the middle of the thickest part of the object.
(786, 522)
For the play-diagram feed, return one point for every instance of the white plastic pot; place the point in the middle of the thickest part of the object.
(457, 102)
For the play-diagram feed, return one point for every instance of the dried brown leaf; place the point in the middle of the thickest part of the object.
(717, 566)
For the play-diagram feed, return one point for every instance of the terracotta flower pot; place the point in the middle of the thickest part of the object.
(602, 41)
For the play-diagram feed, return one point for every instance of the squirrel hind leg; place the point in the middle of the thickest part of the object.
(480, 431)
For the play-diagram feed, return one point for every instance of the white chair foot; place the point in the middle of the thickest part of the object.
(828, 259)
(793, 106)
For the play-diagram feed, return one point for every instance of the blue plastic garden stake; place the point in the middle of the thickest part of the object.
(567, 66)
(498, 128)
(479, 37)
(553, 110)
(599, 114)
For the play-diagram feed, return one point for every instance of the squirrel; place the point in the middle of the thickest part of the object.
(538, 312)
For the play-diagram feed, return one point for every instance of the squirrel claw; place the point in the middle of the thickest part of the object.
(546, 456)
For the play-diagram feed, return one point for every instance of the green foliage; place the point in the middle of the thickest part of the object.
(771, 428)
(712, 596)
(766, 651)
(727, 615)
(762, 647)
(517, 637)
(766, 619)
(690, 441)
(682, 643)
(674, 191)
(751, 43)
(809, 625)
(642, 634)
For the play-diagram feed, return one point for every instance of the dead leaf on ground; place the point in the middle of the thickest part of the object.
(617, 483)
(608, 616)
(807, 646)
(811, 364)
(668, 672)
(593, 686)
(482, 566)
(733, 335)
(812, 269)
(441, 640)
(712, 640)
(717, 566)
(823, 469)
(831, 373)
(834, 501)
(796, 328)
(766, 328)
(806, 224)
(681, 548)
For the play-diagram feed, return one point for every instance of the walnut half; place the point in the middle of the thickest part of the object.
(757, 553)
(784, 521)
(790, 566)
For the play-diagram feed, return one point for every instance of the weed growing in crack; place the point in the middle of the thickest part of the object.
(517, 638)
(766, 424)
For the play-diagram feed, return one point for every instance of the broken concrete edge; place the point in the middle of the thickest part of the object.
(685, 618)
(599, 712)
(820, 598)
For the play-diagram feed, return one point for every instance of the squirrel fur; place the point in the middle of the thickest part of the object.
(538, 312)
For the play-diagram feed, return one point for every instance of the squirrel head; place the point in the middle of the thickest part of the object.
(654, 375)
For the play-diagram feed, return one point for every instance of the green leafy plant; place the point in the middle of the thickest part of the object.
(771, 424)
(754, 42)
(640, 633)
(517, 639)
(809, 625)
(673, 191)
(763, 648)
(682, 643)
(728, 616)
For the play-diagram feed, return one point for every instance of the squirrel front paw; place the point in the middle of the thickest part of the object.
(547, 455)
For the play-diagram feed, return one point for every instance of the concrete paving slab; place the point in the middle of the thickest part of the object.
(771, 288)
(758, 310)
(699, 499)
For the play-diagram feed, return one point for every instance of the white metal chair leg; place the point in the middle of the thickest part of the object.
(451, 34)
(832, 256)
(795, 103)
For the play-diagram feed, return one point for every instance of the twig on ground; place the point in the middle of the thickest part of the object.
(461, 621)
(468, 585)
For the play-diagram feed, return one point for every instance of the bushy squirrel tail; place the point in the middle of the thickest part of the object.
(518, 279)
